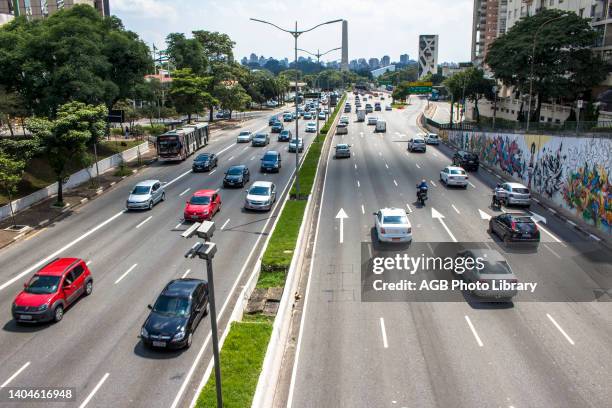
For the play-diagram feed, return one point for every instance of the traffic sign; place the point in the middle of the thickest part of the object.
(312, 95)
(420, 87)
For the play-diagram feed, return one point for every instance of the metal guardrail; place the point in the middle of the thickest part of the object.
(587, 129)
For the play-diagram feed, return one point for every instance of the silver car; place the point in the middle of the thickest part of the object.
(145, 195)
(495, 268)
(261, 196)
(244, 137)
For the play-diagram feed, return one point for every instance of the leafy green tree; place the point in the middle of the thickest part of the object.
(11, 171)
(186, 53)
(232, 96)
(189, 92)
(564, 66)
(11, 105)
(75, 54)
(472, 85)
(65, 139)
(401, 92)
(436, 79)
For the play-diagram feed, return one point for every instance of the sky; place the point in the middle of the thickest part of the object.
(375, 27)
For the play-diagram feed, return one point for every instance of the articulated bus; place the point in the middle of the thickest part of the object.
(180, 143)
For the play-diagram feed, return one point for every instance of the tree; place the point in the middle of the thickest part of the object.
(436, 79)
(75, 54)
(401, 92)
(11, 105)
(189, 92)
(186, 53)
(65, 139)
(11, 171)
(232, 96)
(564, 65)
(470, 84)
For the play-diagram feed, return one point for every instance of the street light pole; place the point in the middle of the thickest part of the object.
(494, 104)
(535, 36)
(296, 33)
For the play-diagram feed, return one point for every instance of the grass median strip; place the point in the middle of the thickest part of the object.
(242, 357)
(282, 243)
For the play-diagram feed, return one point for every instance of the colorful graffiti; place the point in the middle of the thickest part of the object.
(573, 172)
(588, 190)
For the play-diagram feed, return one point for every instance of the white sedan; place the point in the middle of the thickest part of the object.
(244, 137)
(372, 120)
(454, 176)
(392, 225)
(311, 127)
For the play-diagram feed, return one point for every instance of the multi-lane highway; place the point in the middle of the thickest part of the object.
(132, 255)
(553, 353)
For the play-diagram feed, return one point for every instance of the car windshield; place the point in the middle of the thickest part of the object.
(200, 200)
(495, 268)
(234, 171)
(141, 190)
(418, 141)
(203, 157)
(395, 219)
(457, 172)
(43, 284)
(244, 133)
(269, 157)
(172, 306)
(471, 156)
(259, 190)
(260, 136)
(342, 147)
(520, 190)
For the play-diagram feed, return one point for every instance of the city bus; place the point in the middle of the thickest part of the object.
(180, 143)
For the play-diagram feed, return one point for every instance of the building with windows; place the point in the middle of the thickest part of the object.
(44, 8)
(404, 58)
(488, 23)
(428, 54)
(378, 72)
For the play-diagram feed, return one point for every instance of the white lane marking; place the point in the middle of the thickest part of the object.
(455, 208)
(573, 224)
(362, 209)
(93, 392)
(386, 165)
(435, 154)
(355, 167)
(551, 250)
(230, 159)
(225, 224)
(212, 172)
(440, 217)
(358, 185)
(498, 176)
(12, 377)
(432, 183)
(568, 338)
(186, 273)
(409, 209)
(246, 147)
(470, 183)
(185, 192)
(62, 249)
(88, 263)
(253, 158)
(384, 333)
(549, 233)
(395, 182)
(125, 273)
(380, 154)
(174, 180)
(232, 145)
(178, 225)
(595, 237)
(417, 164)
(145, 220)
(469, 322)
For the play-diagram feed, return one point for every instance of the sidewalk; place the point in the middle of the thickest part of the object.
(44, 213)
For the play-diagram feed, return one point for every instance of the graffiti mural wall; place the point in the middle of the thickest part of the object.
(573, 172)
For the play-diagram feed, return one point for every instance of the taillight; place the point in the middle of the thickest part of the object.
(513, 226)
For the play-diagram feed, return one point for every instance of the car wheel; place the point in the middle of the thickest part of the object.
(151, 205)
(163, 197)
(189, 340)
(88, 288)
(506, 239)
(58, 313)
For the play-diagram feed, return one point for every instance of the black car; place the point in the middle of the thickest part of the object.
(204, 162)
(236, 176)
(285, 135)
(277, 127)
(272, 120)
(271, 161)
(467, 160)
(515, 228)
(176, 314)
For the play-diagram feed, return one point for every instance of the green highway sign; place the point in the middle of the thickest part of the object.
(420, 87)
(312, 95)
(384, 82)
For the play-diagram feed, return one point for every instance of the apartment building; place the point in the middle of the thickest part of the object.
(44, 8)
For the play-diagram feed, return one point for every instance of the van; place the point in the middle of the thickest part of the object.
(361, 114)
(381, 126)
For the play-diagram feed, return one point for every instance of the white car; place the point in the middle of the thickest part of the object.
(344, 119)
(517, 194)
(261, 196)
(244, 137)
(392, 225)
(381, 126)
(388, 107)
(372, 120)
(454, 176)
(432, 139)
(311, 127)
(272, 104)
(322, 115)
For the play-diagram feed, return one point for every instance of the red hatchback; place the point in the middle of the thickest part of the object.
(51, 290)
(202, 205)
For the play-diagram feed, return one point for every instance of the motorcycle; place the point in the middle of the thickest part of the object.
(421, 195)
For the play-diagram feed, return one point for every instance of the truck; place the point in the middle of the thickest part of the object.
(361, 114)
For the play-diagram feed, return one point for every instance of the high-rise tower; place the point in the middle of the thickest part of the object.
(344, 61)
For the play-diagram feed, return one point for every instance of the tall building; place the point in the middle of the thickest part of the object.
(428, 54)
(404, 58)
(44, 8)
(373, 63)
(344, 59)
(487, 22)
(384, 61)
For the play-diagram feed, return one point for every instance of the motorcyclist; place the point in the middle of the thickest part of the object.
(499, 194)
(422, 188)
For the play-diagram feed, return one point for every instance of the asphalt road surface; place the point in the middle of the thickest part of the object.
(96, 348)
(554, 353)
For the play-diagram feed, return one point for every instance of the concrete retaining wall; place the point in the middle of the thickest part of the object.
(573, 172)
(75, 179)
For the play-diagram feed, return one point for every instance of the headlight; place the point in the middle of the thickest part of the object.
(43, 308)
(144, 332)
(180, 335)
(275, 164)
(205, 212)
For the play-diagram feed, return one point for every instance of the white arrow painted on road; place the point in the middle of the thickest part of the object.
(484, 215)
(436, 214)
(537, 217)
(341, 215)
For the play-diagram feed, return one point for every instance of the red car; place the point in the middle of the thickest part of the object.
(51, 290)
(202, 205)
